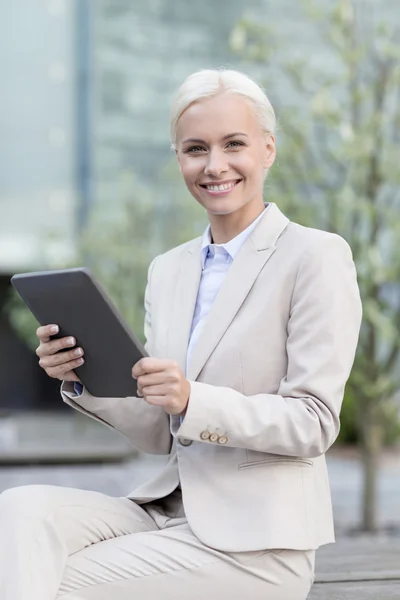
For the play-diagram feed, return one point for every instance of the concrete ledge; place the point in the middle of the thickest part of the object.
(59, 438)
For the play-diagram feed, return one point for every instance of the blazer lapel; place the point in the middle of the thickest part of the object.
(237, 284)
(184, 303)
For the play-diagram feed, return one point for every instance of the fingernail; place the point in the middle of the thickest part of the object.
(70, 341)
(78, 352)
(54, 329)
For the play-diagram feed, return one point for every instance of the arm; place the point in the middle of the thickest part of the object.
(302, 418)
(145, 426)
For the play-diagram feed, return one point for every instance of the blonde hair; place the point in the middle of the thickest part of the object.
(210, 82)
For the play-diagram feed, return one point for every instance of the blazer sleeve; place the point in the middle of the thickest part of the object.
(145, 426)
(302, 418)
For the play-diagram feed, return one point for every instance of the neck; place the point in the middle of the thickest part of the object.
(226, 227)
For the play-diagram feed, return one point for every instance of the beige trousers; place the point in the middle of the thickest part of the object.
(61, 543)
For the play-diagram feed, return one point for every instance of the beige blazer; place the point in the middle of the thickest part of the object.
(267, 380)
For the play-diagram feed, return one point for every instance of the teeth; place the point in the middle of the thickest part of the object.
(221, 188)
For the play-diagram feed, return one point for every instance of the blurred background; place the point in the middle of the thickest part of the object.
(87, 177)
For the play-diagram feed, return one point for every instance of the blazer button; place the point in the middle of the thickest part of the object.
(205, 435)
(185, 442)
(214, 437)
(222, 439)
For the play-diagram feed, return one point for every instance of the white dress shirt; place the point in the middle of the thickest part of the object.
(216, 260)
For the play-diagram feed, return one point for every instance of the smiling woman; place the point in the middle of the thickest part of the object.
(225, 169)
(251, 332)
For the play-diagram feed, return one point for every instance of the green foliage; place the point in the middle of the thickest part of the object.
(349, 431)
(351, 418)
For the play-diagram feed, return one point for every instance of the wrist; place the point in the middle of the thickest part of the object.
(188, 390)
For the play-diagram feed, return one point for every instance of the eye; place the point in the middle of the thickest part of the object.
(194, 149)
(235, 144)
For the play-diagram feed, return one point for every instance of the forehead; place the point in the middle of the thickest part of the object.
(218, 116)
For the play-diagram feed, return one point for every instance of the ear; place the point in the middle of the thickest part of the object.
(269, 152)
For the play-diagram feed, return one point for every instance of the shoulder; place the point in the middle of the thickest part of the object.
(307, 241)
(171, 259)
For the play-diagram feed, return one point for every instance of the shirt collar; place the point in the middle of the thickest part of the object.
(233, 246)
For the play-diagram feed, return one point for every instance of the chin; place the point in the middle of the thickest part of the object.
(224, 208)
(221, 211)
(220, 206)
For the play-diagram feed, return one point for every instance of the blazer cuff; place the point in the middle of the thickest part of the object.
(199, 420)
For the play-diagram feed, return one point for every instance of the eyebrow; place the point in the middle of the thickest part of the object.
(226, 137)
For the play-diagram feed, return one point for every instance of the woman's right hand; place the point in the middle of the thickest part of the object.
(58, 365)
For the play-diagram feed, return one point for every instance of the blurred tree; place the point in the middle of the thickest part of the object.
(119, 247)
(338, 170)
(122, 238)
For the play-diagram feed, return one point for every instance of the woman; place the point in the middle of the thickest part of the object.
(252, 331)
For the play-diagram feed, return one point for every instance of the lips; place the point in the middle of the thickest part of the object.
(223, 186)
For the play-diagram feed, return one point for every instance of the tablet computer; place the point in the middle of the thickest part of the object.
(74, 301)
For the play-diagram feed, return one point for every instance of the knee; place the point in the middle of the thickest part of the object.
(26, 499)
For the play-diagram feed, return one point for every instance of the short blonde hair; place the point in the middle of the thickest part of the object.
(210, 82)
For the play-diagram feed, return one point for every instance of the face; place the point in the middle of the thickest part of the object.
(223, 154)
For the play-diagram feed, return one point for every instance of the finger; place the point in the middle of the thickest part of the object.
(48, 348)
(155, 400)
(153, 379)
(60, 371)
(138, 368)
(155, 390)
(46, 331)
(60, 358)
(149, 364)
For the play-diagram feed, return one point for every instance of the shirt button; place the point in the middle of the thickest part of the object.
(222, 439)
(184, 442)
(214, 437)
(205, 435)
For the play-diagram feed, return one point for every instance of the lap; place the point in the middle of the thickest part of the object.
(80, 517)
(173, 564)
(118, 549)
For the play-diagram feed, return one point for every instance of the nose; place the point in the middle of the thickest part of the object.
(216, 163)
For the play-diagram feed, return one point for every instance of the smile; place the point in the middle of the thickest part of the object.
(220, 188)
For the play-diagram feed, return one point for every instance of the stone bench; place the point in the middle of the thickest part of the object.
(359, 568)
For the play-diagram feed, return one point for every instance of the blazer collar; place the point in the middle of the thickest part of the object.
(251, 258)
(233, 246)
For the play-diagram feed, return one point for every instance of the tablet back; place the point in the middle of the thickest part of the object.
(73, 300)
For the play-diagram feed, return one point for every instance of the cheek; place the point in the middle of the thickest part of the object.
(190, 171)
(250, 167)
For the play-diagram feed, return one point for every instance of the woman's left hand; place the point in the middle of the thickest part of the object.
(162, 383)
